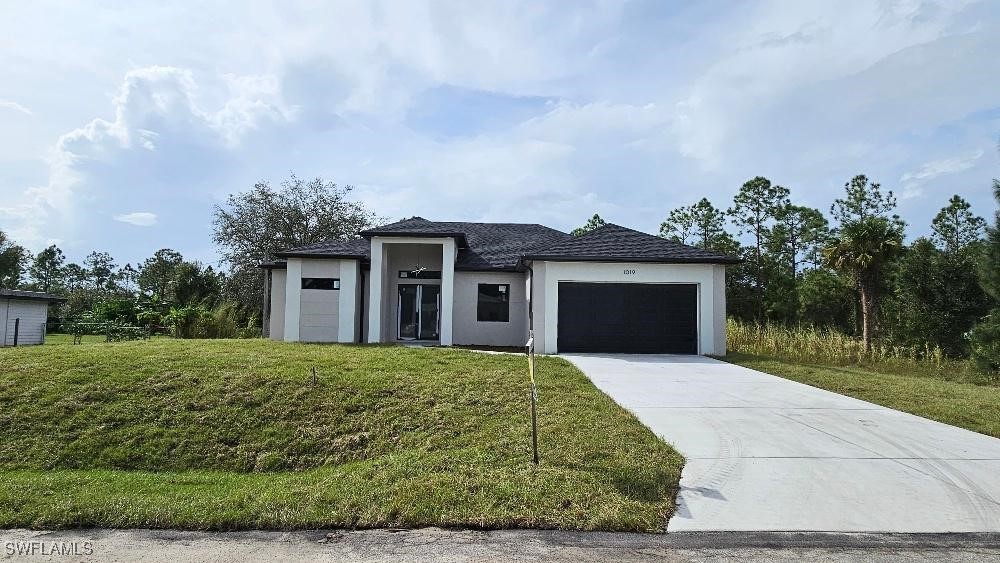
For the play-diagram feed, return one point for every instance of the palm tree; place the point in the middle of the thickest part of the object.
(861, 250)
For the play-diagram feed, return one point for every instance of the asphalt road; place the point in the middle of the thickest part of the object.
(460, 546)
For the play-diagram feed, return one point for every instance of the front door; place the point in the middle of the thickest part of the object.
(418, 311)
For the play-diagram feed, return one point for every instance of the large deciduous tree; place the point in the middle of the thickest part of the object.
(862, 249)
(255, 224)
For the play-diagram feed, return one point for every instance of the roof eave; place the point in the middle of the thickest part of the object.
(35, 298)
(615, 259)
(320, 255)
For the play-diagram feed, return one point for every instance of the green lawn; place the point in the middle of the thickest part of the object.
(946, 397)
(231, 434)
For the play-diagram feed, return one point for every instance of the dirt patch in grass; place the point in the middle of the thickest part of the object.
(233, 434)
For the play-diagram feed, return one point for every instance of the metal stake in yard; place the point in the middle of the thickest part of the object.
(530, 351)
(314, 375)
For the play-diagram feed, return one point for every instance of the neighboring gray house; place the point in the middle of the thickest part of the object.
(23, 314)
(610, 290)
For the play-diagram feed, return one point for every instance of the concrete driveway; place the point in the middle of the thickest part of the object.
(766, 453)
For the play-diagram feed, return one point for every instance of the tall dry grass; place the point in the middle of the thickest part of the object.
(821, 345)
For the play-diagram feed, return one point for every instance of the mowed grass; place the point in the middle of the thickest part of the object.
(232, 434)
(945, 397)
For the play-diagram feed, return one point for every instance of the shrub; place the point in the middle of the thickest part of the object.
(984, 340)
(222, 321)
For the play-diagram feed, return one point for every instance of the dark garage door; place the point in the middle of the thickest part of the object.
(637, 318)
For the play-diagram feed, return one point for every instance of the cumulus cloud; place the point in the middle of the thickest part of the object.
(510, 111)
(138, 218)
(154, 105)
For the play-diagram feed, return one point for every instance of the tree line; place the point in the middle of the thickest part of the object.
(164, 290)
(851, 271)
(188, 298)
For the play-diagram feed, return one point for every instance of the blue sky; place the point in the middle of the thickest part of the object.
(120, 128)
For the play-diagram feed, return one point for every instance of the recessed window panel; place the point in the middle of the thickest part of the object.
(321, 283)
(494, 303)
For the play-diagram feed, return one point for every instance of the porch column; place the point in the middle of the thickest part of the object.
(346, 312)
(293, 299)
(447, 289)
(375, 296)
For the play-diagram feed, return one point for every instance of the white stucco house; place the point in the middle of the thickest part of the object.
(23, 315)
(453, 283)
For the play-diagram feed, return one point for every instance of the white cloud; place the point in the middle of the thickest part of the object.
(153, 105)
(15, 106)
(936, 168)
(655, 105)
(912, 181)
(138, 218)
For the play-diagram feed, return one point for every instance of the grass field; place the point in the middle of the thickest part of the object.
(946, 397)
(232, 434)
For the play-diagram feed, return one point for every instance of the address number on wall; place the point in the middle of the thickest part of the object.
(629, 272)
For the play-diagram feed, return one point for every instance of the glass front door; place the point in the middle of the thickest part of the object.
(418, 311)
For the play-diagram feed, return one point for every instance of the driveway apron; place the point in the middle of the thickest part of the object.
(769, 454)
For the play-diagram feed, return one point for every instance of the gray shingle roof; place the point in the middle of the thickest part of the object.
(501, 246)
(482, 246)
(36, 295)
(356, 248)
(616, 243)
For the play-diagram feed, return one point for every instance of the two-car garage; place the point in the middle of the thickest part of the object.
(636, 318)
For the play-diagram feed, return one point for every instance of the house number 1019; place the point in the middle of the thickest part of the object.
(629, 272)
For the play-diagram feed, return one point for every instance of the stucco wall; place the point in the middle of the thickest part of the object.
(719, 322)
(468, 330)
(319, 317)
(276, 321)
(711, 302)
(31, 329)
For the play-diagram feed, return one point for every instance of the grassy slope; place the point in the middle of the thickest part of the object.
(230, 434)
(936, 397)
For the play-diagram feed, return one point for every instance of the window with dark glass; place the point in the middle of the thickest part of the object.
(494, 303)
(320, 283)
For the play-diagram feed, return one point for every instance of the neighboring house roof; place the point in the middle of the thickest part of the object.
(620, 244)
(503, 246)
(32, 295)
